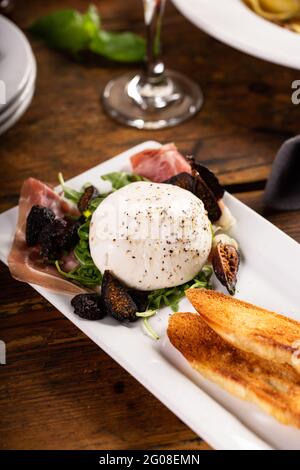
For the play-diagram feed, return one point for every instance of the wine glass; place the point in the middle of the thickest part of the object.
(6, 6)
(154, 98)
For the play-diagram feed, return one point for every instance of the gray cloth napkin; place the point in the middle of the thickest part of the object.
(283, 187)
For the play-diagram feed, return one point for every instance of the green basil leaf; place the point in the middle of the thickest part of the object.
(72, 31)
(121, 47)
(68, 29)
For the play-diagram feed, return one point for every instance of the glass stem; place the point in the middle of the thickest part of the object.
(153, 11)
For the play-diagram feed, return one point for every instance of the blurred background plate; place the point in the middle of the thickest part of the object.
(18, 113)
(27, 90)
(15, 60)
(233, 23)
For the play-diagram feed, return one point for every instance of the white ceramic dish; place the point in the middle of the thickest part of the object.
(233, 23)
(11, 121)
(15, 60)
(269, 277)
(8, 115)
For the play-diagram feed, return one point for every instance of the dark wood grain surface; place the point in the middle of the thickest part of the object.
(59, 390)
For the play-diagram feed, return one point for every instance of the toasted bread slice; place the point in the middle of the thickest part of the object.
(274, 387)
(253, 329)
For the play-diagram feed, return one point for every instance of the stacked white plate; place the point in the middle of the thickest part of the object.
(17, 74)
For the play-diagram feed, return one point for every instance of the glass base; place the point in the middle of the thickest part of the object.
(130, 100)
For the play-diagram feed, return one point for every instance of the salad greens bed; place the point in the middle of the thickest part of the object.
(74, 32)
(88, 275)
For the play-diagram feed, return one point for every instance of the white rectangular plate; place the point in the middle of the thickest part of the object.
(269, 276)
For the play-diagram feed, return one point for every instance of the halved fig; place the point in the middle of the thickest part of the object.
(183, 180)
(208, 198)
(225, 261)
(89, 194)
(208, 177)
(118, 302)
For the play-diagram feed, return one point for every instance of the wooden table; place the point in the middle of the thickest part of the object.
(59, 390)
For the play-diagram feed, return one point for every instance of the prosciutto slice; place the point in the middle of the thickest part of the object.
(25, 263)
(160, 164)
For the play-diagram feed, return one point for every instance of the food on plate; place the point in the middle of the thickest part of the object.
(88, 306)
(133, 249)
(117, 300)
(140, 298)
(248, 327)
(167, 165)
(203, 192)
(226, 221)
(197, 186)
(225, 261)
(283, 12)
(208, 177)
(184, 181)
(160, 164)
(37, 218)
(89, 194)
(274, 387)
(24, 261)
(225, 239)
(151, 236)
(58, 237)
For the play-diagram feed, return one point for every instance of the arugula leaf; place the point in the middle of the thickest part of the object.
(68, 29)
(172, 296)
(121, 47)
(119, 179)
(148, 328)
(69, 193)
(96, 202)
(73, 32)
(86, 274)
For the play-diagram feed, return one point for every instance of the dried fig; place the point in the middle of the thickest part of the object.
(183, 180)
(208, 198)
(117, 300)
(89, 194)
(208, 177)
(225, 261)
(195, 184)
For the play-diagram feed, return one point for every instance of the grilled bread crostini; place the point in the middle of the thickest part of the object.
(274, 387)
(267, 334)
